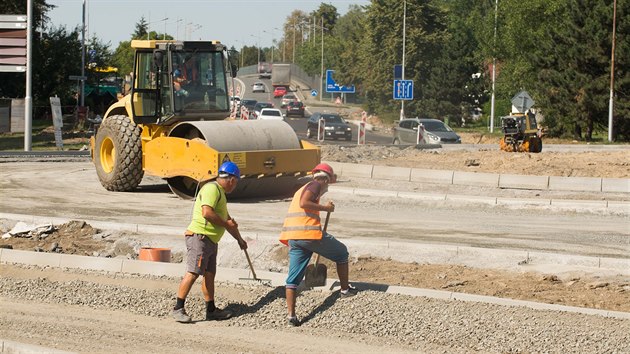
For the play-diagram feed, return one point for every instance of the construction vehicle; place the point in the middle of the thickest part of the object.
(173, 125)
(521, 133)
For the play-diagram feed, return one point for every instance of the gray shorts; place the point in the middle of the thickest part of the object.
(202, 254)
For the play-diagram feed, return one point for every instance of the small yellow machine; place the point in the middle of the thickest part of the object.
(521, 133)
(173, 125)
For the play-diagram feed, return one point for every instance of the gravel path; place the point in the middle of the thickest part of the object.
(371, 318)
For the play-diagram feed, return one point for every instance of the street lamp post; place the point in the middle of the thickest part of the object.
(258, 46)
(402, 102)
(273, 43)
(321, 77)
(149, 27)
(494, 65)
(284, 45)
(612, 75)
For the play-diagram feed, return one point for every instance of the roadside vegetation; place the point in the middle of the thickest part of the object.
(557, 50)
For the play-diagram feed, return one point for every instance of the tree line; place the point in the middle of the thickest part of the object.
(557, 50)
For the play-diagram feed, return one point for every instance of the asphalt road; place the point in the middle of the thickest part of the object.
(298, 123)
(72, 190)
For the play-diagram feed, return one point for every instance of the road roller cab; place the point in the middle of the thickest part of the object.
(173, 125)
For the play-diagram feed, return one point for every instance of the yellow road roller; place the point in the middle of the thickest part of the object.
(174, 124)
(521, 133)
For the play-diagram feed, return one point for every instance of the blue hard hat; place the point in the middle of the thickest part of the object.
(229, 168)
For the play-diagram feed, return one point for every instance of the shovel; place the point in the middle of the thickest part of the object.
(316, 273)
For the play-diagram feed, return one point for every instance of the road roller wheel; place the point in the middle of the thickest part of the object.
(535, 145)
(118, 154)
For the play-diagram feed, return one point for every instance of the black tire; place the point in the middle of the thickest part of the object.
(309, 133)
(118, 154)
(396, 141)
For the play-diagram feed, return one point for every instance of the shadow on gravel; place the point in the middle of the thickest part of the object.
(244, 309)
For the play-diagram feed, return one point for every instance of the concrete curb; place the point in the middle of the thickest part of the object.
(622, 207)
(550, 183)
(277, 279)
(7, 346)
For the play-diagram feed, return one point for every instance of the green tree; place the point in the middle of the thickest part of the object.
(141, 29)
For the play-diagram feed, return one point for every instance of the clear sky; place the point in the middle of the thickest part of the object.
(234, 22)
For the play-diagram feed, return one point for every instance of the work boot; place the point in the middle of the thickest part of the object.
(293, 321)
(218, 315)
(181, 316)
(352, 291)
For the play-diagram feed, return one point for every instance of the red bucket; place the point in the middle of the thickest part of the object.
(155, 254)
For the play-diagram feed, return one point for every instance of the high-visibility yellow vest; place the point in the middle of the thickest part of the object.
(300, 224)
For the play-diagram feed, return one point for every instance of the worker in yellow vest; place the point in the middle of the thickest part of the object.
(302, 232)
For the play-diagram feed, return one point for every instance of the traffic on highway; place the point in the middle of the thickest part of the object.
(268, 95)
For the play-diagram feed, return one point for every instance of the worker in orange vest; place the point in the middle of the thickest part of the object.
(302, 232)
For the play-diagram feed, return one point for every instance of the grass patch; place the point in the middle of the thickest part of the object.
(43, 138)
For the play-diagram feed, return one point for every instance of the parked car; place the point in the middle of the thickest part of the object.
(258, 87)
(335, 127)
(436, 132)
(279, 91)
(259, 106)
(295, 108)
(270, 114)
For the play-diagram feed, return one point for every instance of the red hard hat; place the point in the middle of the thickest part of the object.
(325, 168)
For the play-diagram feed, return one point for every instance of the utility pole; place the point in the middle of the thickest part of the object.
(494, 64)
(402, 102)
(321, 76)
(83, 58)
(28, 99)
(612, 75)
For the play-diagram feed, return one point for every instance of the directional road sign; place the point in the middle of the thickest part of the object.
(403, 89)
(332, 86)
(314, 93)
(522, 102)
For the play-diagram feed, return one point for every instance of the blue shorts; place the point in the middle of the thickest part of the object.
(300, 252)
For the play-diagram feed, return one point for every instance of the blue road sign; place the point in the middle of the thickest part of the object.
(313, 93)
(332, 86)
(403, 89)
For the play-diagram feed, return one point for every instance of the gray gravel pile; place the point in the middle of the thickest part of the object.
(397, 319)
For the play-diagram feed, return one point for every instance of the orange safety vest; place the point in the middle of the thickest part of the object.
(300, 224)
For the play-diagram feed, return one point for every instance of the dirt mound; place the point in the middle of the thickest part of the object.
(608, 164)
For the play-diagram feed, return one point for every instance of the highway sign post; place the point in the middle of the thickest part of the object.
(403, 89)
(332, 86)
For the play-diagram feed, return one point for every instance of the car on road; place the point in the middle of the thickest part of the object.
(249, 104)
(279, 91)
(260, 105)
(289, 97)
(436, 132)
(264, 75)
(270, 114)
(295, 108)
(335, 127)
(258, 87)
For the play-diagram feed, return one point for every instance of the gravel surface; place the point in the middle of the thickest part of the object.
(412, 323)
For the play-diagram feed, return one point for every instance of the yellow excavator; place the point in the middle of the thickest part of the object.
(173, 124)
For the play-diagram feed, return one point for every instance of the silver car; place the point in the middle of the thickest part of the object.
(435, 132)
(258, 87)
